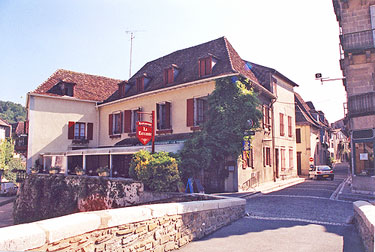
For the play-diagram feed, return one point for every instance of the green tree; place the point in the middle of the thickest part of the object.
(231, 105)
(12, 112)
(158, 171)
(6, 153)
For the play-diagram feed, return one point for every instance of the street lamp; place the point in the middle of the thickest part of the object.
(318, 76)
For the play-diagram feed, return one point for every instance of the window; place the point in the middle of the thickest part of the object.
(205, 66)
(80, 131)
(290, 158)
(122, 89)
(140, 84)
(248, 159)
(282, 155)
(266, 117)
(115, 123)
(163, 114)
(282, 133)
(131, 117)
(298, 135)
(290, 134)
(169, 75)
(196, 111)
(266, 156)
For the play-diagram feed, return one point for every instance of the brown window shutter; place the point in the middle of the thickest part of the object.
(168, 115)
(201, 68)
(244, 160)
(71, 130)
(190, 112)
(166, 76)
(90, 131)
(170, 75)
(208, 65)
(127, 121)
(110, 124)
(157, 117)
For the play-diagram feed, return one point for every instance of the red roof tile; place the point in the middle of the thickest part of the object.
(87, 86)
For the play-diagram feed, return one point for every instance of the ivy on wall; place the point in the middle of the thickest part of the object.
(231, 105)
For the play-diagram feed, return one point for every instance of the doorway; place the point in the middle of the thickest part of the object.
(299, 168)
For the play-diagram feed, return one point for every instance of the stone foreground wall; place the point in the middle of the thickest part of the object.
(364, 220)
(43, 196)
(159, 227)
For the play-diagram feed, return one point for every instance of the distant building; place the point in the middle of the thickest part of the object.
(312, 136)
(357, 23)
(5, 129)
(19, 136)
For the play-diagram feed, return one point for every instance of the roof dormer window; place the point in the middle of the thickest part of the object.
(122, 89)
(142, 83)
(67, 88)
(170, 74)
(206, 65)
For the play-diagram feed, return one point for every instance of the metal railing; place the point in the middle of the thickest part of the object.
(358, 40)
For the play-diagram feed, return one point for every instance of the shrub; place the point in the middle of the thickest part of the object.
(158, 172)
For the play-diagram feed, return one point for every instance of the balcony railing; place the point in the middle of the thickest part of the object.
(361, 105)
(358, 40)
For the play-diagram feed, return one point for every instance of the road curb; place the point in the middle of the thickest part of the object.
(2, 203)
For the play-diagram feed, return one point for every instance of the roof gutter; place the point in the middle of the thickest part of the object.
(153, 92)
(58, 97)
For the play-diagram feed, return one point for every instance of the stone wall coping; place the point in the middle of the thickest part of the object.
(22, 237)
(36, 234)
(367, 212)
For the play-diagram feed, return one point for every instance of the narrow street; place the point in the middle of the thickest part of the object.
(303, 217)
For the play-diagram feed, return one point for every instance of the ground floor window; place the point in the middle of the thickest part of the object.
(364, 159)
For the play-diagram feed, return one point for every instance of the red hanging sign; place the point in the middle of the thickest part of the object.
(144, 132)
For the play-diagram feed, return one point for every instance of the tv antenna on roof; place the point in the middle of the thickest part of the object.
(131, 32)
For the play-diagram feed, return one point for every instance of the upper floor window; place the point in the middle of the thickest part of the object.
(122, 89)
(266, 117)
(290, 132)
(115, 123)
(131, 117)
(197, 111)
(298, 135)
(266, 156)
(206, 65)
(163, 115)
(80, 131)
(282, 132)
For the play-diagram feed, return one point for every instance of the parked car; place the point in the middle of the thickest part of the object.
(321, 171)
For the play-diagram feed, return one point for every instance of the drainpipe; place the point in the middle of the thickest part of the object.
(273, 132)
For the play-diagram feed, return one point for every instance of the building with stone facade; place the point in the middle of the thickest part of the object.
(356, 20)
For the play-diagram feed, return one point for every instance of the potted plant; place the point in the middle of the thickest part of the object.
(54, 170)
(34, 169)
(78, 170)
(103, 171)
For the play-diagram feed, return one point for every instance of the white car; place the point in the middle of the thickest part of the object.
(320, 171)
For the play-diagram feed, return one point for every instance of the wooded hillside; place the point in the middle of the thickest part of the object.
(12, 112)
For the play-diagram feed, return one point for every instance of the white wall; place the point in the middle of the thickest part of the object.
(48, 124)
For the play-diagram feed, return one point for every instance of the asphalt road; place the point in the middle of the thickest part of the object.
(303, 217)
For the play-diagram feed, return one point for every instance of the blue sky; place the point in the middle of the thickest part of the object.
(298, 38)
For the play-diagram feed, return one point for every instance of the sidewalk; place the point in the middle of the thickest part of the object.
(345, 191)
(265, 188)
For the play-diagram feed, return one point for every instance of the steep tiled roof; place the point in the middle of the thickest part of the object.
(187, 62)
(86, 86)
(18, 128)
(262, 74)
(303, 114)
(4, 123)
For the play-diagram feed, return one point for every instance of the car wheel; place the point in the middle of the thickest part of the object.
(331, 178)
(316, 177)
